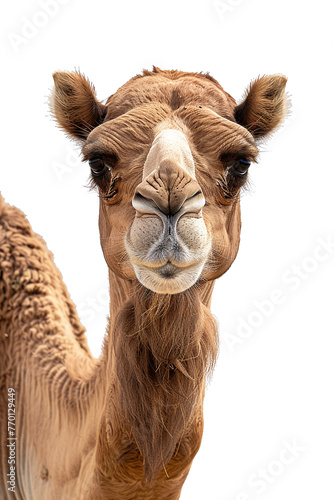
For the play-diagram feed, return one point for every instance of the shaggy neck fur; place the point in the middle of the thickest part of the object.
(156, 365)
(160, 365)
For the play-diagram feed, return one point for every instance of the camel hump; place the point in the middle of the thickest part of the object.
(16, 239)
(28, 273)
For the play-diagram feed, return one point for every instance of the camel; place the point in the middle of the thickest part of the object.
(169, 154)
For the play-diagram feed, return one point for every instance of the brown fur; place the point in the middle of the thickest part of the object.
(156, 399)
(75, 106)
(264, 106)
(129, 424)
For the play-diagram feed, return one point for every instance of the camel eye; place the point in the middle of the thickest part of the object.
(240, 167)
(98, 167)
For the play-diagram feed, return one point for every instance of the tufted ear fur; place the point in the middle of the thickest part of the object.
(264, 106)
(74, 105)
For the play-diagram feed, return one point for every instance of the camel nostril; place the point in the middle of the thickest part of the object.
(166, 195)
(144, 205)
(191, 206)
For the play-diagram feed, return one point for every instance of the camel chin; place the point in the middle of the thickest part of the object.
(168, 254)
(168, 279)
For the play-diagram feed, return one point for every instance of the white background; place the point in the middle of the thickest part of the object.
(276, 385)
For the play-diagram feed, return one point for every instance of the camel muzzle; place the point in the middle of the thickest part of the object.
(168, 239)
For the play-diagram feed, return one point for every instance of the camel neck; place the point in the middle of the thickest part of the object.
(157, 354)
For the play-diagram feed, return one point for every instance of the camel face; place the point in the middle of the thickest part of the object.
(169, 154)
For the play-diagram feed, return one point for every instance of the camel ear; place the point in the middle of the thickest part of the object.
(74, 105)
(264, 106)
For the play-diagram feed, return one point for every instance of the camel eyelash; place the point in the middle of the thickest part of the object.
(100, 181)
(231, 182)
(226, 194)
(112, 191)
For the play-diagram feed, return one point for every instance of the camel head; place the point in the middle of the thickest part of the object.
(169, 154)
